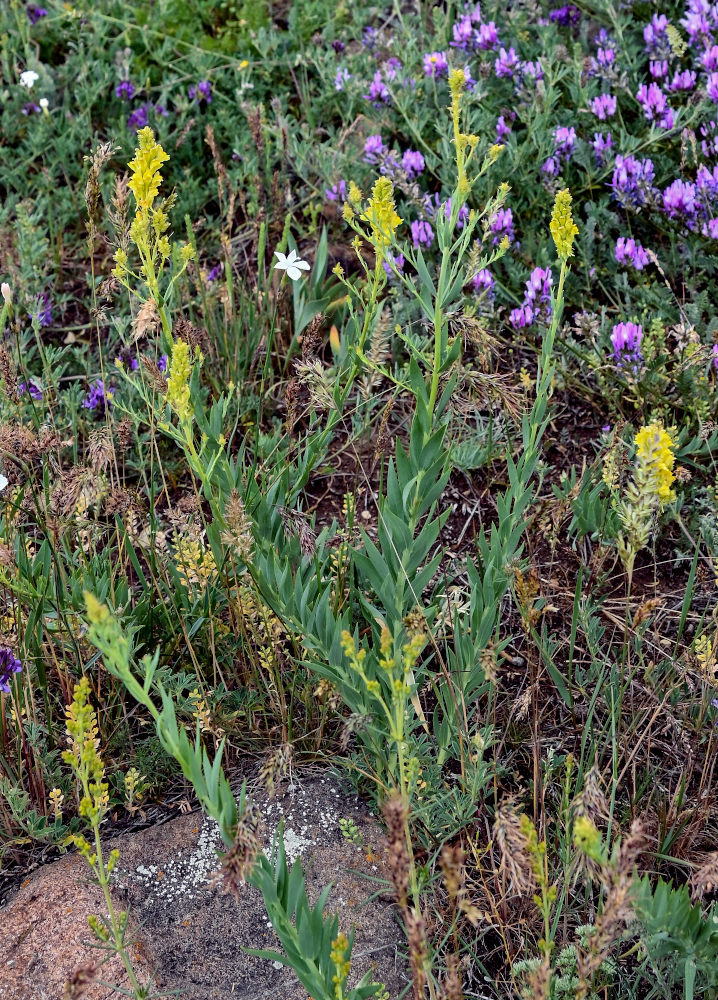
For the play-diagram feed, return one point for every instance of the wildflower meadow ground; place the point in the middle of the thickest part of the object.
(359, 412)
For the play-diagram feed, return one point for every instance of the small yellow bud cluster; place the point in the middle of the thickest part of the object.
(381, 214)
(180, 370)
(146, 177)
(83, 755)
(340, 946)
(563, 228)
(654, 451)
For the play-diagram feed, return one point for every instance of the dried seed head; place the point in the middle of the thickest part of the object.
(395, 817)
(7, 373)
(513, 844)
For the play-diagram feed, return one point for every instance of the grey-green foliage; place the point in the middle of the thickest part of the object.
(306, 935)
(680, 938)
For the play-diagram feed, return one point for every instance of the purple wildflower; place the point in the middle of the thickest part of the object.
(537, 299)
(214, 273)
(601, 144)
(138, 119)
(709, 59)
(715, 365)
(655, 105)
(342, 77)
(679, 198)
(682, 80)
(368, 38)
(710, 229)
(34, 13)
(502, 129)
(655, 35)
(413, 163)
(337, 192)
(392, 67)
(373, 149)
(422, 234)
(568, 14)
(163, 363)
(398, 260)
(604, 106)
(483, 283)
(658, 68)
(506, 63)
(487, 36)
(502, 224)
(629, 252)
(632, 180)
(338, 46)
(34, 390)
(9, 665)
(712, 86)
(31, 108)
(626, 340)
(463, 32)
(98, 396)
(436, 64)
(43, 314)
(378, 91)
(125, 90)
(533, 70)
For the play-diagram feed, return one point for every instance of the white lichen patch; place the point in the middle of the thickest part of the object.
(183, 876)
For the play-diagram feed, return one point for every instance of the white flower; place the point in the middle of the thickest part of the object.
(3, 482)
(6, 292)
(29, 78)
(292, 264)
(44, 103)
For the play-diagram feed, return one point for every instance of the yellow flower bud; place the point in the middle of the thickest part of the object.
(563, 228)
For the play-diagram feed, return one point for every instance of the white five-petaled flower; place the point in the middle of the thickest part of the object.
(292, 264)
(3, 482)
(29, 78)
(44, 103)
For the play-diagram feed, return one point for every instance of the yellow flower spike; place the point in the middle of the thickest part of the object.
(146, 177)
(381, 213)
(178, 395)
(355, 195)
(457, 83)
(563, 228)
(654, 450)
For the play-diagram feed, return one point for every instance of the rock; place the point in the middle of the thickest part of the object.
(47, 936)
(190, 932)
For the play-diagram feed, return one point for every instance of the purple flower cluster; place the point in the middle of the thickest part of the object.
(471, 34)
(341, 78)
(604, 106)
(378, 91)
(398, 260)
(374, 148)
(564, 139)
(601, 145)
(503, 131)
(506, 63)
(422, 234)
(436, 64)
(632, 180)
(31, 388)
(567, 15)
(626, 340)
(629, 252)
(483, 283)
(34, 13)
(140, 116)
(537, 300)
(124, 90)
(98, 397)
(502, 224)
(413, 163)
(655, 105)
(337, 192)
(43, 311)
(9, 665)
(201, 91)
